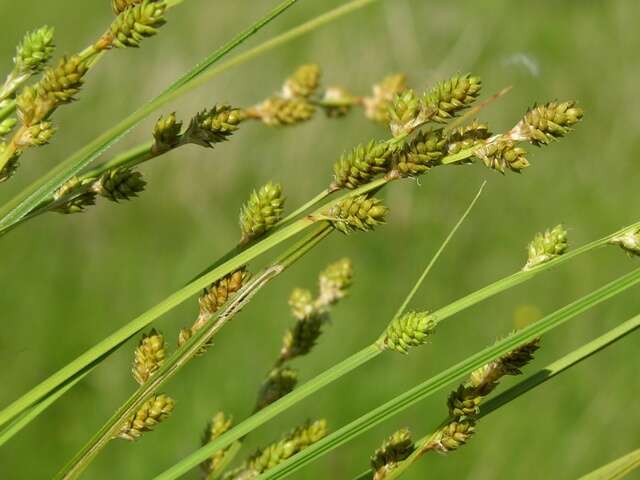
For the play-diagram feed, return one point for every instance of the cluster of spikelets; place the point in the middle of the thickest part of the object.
(464, 409)
(61, 83)
(148, 358)
(311, 315)
(419, 143)
(547, 246)
(629, 241)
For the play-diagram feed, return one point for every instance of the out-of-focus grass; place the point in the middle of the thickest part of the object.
(68, 281)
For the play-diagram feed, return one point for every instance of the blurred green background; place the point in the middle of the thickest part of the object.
(70, 281)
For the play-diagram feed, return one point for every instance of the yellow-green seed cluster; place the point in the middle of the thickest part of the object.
(153, 412)
(357, 213)
(262, 211)
(279, 382)
(120, 184)
(447, 99)
(394, 450)
(629, 241)
(362, 164)
(137, 22)
(547, 246)
(35, 50)
(217, 426)
(409, 330)
(148, 356)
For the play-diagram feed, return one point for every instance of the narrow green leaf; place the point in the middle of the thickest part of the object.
(617, 469)
(438, 382)
(44, 187)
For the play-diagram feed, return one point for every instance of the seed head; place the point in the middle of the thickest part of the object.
(335, 281)
(120, 184)
(166, 133)
(301, 303)
(454, 435)
(357, 213)
(217, 426)
(277, 111)
(424, 151)
(218, 293)
(377, 106)
(35, 50)
(262, 211)
(466, 137)
(404, 113)
(543, 124)
(466, 399)
(79, 197)
(148, 356)
(547, 246)
(296, 441)
(215, 125)
(10, 167)
(154, 411)
(409, 330)
(362, 164)
(36, 135)
(394, 450)
(503, 153)
(303, 83)
(59, 85)
(628, 241)
(135, 23)
(120, 6)
(448, 98)
(279, 382)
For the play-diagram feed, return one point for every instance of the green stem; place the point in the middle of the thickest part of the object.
(185, 353)
(616, 470)
(441, 380)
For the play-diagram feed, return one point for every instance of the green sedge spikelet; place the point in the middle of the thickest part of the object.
(450, 97)
(60, 84)
(357, 213)
(503, 153)
(120, 6)
(335, 281)
(279, 382)
(377, 105)
(36, 136)
(166, 134)
(362, 164)
(422, 153)
(278, 112)
(629, 241)
(214, 125)
(394, 450)
(303, 83)
(34, 51)
(276, 453)
(408, 331)
(469, 136)
(74, 196)
(120, 184)
(136, 23)
(148, 356)
(547, 246)
(262, 211)
(153, 412)
(543, 124)
(454, 435)
(217, 426)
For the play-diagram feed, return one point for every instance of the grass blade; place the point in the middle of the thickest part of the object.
(436, 383)
(44, 187)
(617, 469)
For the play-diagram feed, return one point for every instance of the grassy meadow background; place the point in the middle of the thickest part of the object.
(68, 281)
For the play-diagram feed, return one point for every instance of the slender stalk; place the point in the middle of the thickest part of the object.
(24, 202)
(435, 258)
(8, 109)
(534, 380)
(441, 380)
(184, 354)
